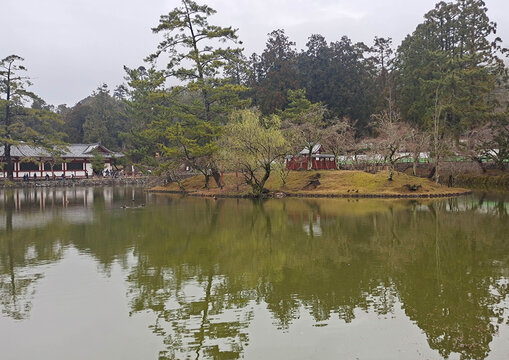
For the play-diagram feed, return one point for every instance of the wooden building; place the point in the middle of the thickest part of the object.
(320, 160)
(75, 160)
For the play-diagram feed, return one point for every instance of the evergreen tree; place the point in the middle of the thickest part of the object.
(314, 68)
(105, 120)
(207, 94)
(98, 118)
(351, 90)
(36, 126)
(147, 104)
(196, 60)
(276, 73)
(451, 60)
(304, 122)
(342, 76)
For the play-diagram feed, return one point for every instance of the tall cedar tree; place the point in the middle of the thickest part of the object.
(340, 75)
(450, 61)
(274, 73)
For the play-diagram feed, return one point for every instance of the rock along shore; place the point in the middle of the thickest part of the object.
(146, 181)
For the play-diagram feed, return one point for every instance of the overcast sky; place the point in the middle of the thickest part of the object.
(72, 46)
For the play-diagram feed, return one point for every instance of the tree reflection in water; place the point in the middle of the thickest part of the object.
(19, 252)
(204, 266)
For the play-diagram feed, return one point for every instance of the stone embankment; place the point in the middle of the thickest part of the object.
(145, 181)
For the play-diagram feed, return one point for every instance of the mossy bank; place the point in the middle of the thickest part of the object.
(320, 184)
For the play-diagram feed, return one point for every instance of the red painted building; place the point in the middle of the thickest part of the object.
(320, 160)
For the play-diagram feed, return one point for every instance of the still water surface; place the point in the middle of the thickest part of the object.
(116, 273)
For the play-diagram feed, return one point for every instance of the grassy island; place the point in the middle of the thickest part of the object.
(321, 184)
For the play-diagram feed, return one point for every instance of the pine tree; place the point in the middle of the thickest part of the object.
(36, 126)
(187, 119)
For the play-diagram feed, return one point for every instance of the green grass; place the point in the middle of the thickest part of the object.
(332, 183)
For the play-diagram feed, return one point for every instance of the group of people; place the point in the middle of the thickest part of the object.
(105, 173)
(26, 176)
(112, 173)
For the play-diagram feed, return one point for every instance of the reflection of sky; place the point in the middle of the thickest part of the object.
(390, 337)
(60, 327)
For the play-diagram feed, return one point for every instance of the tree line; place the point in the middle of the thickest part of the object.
(437, 92)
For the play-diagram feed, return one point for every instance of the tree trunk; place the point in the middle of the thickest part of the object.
(7, 147)
(414, 168)
(436, 176)
(258, 186)
(500, 164)
(8, 158)
(310, 159)
(481, 165)
(207, 180)
(391, 170)
(265, 177)
(432, 172)
(336, 162)
(217, 178)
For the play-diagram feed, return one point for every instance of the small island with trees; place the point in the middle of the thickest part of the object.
(349, 184)
(407, 121)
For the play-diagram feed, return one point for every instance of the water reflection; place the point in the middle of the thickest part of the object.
(203, 267)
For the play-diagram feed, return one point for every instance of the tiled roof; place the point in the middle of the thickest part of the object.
(315, 150)
(71, 151)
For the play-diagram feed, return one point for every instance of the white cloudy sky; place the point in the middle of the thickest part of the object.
(72, 46)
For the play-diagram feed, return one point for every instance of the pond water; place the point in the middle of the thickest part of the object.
(116, 273)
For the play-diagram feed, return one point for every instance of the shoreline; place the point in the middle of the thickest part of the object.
(282, 195)
(148, 181)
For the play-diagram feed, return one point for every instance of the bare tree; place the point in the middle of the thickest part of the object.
(393, 136)
(307, 131)
(495, 141)
(340, 140)
(473, 145)
(418, 142)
